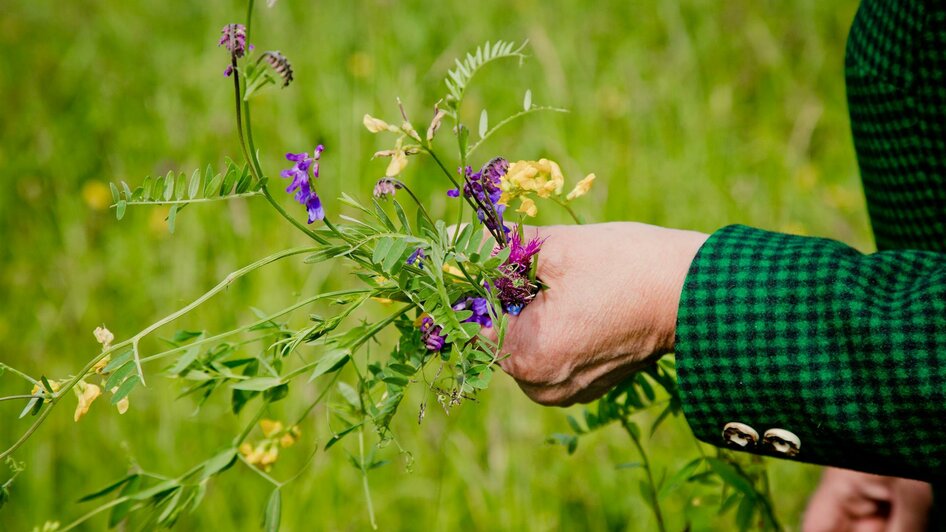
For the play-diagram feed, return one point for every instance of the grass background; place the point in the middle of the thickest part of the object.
(693, 113)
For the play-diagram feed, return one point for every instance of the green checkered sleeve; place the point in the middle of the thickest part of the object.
(846, 351)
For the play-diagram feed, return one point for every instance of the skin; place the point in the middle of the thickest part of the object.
(851, 501)
(610, 309)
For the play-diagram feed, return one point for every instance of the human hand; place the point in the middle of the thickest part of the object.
(860, 502)
(610, 308)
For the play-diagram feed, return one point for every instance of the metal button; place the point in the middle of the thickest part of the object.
(740, 435)
(781, 441)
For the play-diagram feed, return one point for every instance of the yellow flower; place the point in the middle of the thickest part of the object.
(86, 393)
(397, 164)
(270, 428)
(263, 456)
(452, 270)
(528, 207)
(122, 405)
(376, 125)
(290, 437)
(383, 300)
(542, 177)
(581, 188)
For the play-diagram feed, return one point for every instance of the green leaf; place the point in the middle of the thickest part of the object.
(731, 476)
(125, 389)
(120, 510)
(575, 425)
(115, 195)
(394, 255)
(32, 407)
(228, 181)
(172, 216)
(118, 361)
(108, 489)
(338, 436)
(146, 188)
(273, 513)
(257, 384)
(245, 181)
(119, 375)
(484, 123)
(350, 395)
(220, 462)
(381, 250)
(120, 209)
(194, 187)
(212, 185)
(169, 186)
(569, 441)
(331, 361)
(126, 190)
(184, 335)
(678, 478)
(49, 387)
(405, 225)
(276, 393)
(747, 509)
(527, 100)
(180, 186)
(157, 489)
(166, 516)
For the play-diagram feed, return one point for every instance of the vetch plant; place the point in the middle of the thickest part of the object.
(442, 286)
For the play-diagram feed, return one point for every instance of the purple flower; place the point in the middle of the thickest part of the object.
(302, 184)
(483, 188)
(454, 193)
(417, 256)
(385, 187)
(480, 308)
(430, 334)
(234, 39)
(514, 288)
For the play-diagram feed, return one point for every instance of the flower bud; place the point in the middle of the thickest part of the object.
(376, 125)
(581, 188)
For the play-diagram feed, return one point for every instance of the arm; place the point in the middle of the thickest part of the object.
(846, 351)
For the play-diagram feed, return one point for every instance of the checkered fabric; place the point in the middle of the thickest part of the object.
(845, 350)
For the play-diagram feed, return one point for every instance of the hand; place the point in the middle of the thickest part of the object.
(610, 308)
(860, 502)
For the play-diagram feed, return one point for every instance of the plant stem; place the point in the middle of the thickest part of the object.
(569, 210)
(650, 476)
(364, 477)
(134, 339)
(18, 372)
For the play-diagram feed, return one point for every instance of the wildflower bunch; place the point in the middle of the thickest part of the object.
(439, 288)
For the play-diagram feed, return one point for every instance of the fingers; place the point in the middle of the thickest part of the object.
(911, 505)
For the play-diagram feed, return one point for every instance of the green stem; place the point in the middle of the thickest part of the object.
(650, 476)
(569, 210)
(15, 371)
(134, 339)
(364, 477)
(197, 200)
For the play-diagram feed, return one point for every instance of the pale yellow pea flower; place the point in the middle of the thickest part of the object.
(528, 207)
(104, 337)
(376, 125)
(86, 393)
(270, 427)
(581, 188)
(397, 164)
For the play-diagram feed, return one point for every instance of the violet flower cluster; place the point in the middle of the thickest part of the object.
(233, 38)
(483, 189)
(301, 182)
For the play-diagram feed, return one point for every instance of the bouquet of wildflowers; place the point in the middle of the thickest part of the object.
(446, 283)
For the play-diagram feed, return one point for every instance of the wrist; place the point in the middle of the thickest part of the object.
(681, 248)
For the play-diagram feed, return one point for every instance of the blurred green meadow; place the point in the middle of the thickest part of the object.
(693, 113)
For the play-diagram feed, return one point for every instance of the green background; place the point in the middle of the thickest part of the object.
(693, 114)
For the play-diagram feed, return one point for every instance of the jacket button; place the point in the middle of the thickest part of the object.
(740, 435)
(781, 441)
